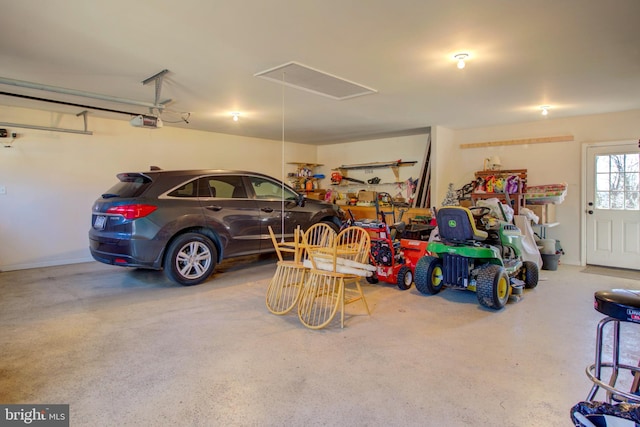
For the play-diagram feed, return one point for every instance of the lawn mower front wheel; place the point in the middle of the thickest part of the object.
(429, 278)
(492, 286)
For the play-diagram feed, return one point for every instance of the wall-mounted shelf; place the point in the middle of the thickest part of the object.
(304, 172)
(394, 165)
(543, 228)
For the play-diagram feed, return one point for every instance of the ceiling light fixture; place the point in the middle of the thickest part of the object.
(461, 57)
(235, 116)
(545, 109)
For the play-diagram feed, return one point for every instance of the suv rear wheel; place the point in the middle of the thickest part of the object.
(190, 259)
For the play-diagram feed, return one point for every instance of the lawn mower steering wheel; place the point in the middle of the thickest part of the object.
(479, 211)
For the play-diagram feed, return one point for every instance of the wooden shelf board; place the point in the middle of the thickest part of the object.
(564, 138)
(375, 165)
(304, 164)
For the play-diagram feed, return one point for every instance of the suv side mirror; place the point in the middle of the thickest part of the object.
(302, 199)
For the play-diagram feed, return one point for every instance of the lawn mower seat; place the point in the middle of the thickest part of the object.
(456, 224)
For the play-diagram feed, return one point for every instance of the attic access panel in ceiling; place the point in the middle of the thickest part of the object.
(306, 78)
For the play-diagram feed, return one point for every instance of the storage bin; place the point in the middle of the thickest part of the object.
(550, 261)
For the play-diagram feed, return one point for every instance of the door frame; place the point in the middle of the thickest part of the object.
(583, 190)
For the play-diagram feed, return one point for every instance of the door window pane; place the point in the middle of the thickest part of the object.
(602, 164)
(631, 163)
(618, 181)
(631, 181)
(617, 200)
(631, 201)
(602, 183)
(602, 200)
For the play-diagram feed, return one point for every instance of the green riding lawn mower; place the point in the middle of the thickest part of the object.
(476, 252)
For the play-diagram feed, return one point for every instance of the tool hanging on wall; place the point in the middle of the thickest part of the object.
(337, 178)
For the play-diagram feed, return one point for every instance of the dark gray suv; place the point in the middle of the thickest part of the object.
(186, 222)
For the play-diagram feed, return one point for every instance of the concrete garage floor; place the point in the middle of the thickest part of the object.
(126, 347)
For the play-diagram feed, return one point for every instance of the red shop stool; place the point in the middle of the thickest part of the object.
(620, 305)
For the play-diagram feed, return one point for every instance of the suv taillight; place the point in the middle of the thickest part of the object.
(132, 211)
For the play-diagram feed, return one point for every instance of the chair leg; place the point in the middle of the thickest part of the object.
(344, 301)
(364, 300)
(342, 296)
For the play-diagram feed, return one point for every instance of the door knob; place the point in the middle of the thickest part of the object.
(590, 203)
(590, 212)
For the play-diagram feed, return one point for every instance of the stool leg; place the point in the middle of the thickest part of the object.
(615, 362)
(598, 367)
(598, 362)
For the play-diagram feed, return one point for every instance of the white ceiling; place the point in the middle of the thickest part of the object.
(579, 56)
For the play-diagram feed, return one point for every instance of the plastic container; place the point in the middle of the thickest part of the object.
(548, 246)
(550, 261)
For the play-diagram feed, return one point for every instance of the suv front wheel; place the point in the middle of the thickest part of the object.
(190, 259)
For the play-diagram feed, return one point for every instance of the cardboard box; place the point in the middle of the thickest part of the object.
(546, 213)
(317, 194)
(367, 196)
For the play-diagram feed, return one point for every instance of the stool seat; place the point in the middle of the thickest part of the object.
(621, 304)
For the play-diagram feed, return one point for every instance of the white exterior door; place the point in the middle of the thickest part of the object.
(613, 205)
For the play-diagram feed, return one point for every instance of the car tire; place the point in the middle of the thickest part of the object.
(429, 278)
(405, 278)
(492, 286)
(333, 226)
(190, 259)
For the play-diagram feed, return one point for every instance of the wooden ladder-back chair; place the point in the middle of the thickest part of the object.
(346, 260)
(319, 235)
(284, 288)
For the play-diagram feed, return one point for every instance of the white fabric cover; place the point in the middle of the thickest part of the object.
(344, 266)
(530, 251)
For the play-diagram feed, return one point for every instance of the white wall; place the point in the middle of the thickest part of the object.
(52, 178)
(546, 163)
(444, 157)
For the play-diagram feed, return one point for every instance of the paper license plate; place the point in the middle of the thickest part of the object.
(100, 222)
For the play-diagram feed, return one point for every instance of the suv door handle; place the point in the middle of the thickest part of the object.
(268, 210)
(214, 208)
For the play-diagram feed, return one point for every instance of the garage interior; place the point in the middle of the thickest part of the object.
(126, 346)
